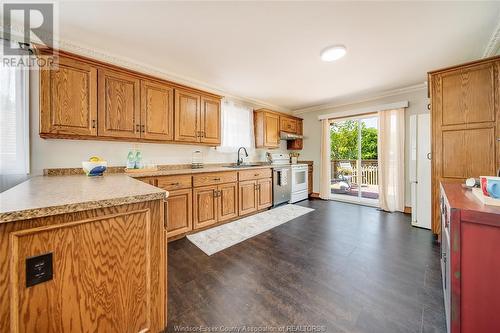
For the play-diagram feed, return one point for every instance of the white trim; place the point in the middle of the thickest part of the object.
(26, 110)
(366, 98)
(376, 108)
(363, 202)
(494, 43)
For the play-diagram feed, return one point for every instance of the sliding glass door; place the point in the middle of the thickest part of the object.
(354, 164)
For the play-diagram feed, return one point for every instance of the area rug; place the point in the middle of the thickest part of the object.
(219, 238)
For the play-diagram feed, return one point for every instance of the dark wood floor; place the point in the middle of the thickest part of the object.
(347, 267)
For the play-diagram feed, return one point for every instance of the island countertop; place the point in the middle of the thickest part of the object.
(45, 196)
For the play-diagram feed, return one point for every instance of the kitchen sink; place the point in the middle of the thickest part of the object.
(235, 166)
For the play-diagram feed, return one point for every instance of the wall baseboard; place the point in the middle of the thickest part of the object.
(314, 195)
(407, 210)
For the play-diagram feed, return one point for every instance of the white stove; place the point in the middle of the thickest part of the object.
(298, 182)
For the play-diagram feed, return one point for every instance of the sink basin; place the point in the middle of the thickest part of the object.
(235, 166)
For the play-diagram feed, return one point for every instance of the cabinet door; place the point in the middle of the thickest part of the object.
(108, 263)
(178, 212)
(288, 125)
(463, 127)
(227, 201)
(68, 99)
(157, 111)
(247, 197)
(187, 116)
(271, 130)
(205, 206)
(296, 144)
(468, 95)
(119, 107)
(265, 195)
(210, 120)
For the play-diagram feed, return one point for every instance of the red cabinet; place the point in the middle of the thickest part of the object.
(470, 261)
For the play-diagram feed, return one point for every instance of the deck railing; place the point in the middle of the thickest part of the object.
(369, 171)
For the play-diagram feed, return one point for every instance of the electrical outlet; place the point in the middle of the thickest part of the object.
(38, 269)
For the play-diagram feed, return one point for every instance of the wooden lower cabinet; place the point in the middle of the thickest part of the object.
(213, 204)
(109, 271)
(247, 197)
(204, 206)
(265, 193)
(227, 201)
(179, 212)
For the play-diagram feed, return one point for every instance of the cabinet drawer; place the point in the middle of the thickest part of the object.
(254, 174)
(177, 182)
(214, 178)
(148, 180)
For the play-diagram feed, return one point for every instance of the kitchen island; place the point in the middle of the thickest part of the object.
(83, 254)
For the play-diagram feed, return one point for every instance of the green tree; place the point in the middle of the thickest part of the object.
(344, 141)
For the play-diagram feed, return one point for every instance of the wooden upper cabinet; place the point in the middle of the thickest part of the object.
(187, 116)
(465, 125)
(296, 144)
(86, 98)
(68, 99)
(210, 120)
(267, 129)
(119, 105)
(468, 95)
(288, 124)
(157, 111)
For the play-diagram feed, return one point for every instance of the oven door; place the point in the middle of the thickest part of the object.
(299, 178)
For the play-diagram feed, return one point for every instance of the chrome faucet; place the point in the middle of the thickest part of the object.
(240, 160)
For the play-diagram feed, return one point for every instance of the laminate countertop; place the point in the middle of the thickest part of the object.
(45, 196)
(163, 170)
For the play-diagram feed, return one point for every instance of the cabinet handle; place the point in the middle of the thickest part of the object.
(216, 179)
(174, 184)
(93, 123)
(143, 128)
(429, 156)
(138, 128)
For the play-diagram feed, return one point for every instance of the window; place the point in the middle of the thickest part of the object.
(237, 126)
(14, 121)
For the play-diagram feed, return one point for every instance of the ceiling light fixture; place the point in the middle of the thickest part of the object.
(333, 53)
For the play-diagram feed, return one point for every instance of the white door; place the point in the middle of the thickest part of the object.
(423, 172)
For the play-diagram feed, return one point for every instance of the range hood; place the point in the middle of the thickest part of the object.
(290, 136)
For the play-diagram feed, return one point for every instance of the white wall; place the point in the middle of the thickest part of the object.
(312, 129)
(56, 153)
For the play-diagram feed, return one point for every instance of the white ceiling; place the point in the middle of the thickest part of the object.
(269, 51)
